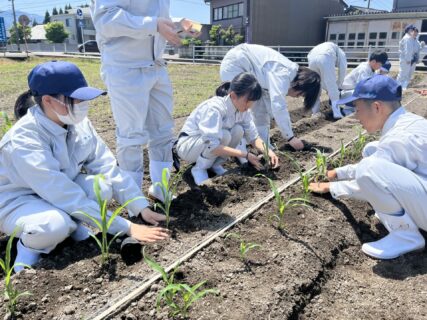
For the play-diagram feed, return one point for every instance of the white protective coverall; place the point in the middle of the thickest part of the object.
(392, 178)
(213, 123)
(42, 183)
(408, 49)
(138, 83)
(323, 59)
(274, 73)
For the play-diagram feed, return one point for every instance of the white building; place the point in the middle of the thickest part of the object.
(71, 24)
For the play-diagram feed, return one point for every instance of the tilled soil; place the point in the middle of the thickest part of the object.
(283, 277)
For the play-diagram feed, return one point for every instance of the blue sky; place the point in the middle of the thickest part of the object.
(192, 9)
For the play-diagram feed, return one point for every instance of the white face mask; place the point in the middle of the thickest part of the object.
(79, 112)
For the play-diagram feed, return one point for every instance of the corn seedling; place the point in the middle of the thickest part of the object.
(105, 221)
(321, 166)
(358, 146)
(282, 204)
(6, 123)
(11, 294)
(245, 247)
(178, 296)
(342, 155)
(266, 155)
(168, 188)
(305, 180)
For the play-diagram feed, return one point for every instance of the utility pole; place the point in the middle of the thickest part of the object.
(369, 3)
(15, 25)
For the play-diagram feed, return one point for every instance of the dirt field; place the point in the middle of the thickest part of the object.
(314, 270)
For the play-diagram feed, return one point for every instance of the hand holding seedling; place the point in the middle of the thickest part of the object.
(152, 217)
(147, 234)
(255, 160)
(296, 143)
(167, 29)
(331, 175)
(274, 159)
(319, 187)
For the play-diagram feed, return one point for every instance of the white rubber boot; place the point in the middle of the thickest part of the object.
(25, 256)
(336, 111)
(217, 166)
(404, 237)
(156, 171)
(199, 170)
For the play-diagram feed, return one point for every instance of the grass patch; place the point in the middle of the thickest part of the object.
(192, 84)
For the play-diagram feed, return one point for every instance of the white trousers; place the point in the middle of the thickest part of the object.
(191, 147)
(406, 72)
(42, 225)
(262, 118)
(388, 187)
(142, 103)
(325, 67)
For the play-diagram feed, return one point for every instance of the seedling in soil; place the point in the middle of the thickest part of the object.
(6, 123)
(266, 155)
(358, 146)
(283, 205)
(178, 296)
(321, 166)
(245, 247)
(168, 187)
(11, 294)
(106, 220)
(305, 180)
(342, 155)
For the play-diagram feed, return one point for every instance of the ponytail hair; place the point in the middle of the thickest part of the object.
(243, 85)
(22, 104)
(308, 83)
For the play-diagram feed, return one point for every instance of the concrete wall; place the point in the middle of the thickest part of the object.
(290, 22)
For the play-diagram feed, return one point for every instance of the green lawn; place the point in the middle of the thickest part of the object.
(191, 83)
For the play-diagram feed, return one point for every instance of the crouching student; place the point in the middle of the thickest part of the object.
(392, 176)
(48, 160)
(385, 69)
(214, 129)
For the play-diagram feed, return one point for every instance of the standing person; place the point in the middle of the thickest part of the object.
(132, 36)
(42, 158)
(392, 176)
(363, 71)
(418, 46)
(214, 129)
(279, 77)
(323, 59)
(408, 49)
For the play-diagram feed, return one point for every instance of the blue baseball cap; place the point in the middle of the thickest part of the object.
(386, 66)
(378, 87)
(61, 77)
(409, 28)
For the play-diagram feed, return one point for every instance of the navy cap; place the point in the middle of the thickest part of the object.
(61, 77)
(386, 66)
(409, 28)
(378, 87)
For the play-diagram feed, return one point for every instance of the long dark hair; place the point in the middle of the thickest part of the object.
(243, 85)
(26, 100)
(307, 82)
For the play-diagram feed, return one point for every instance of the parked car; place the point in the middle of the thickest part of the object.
(90, 46)
(423, 53)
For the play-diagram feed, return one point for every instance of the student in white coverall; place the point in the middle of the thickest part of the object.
(214, 129)
(361, 72)
(48, 160)
(131, 35)
(385, 69)
(392, 176)
(323, 59)
(279, 77)
(408, 50)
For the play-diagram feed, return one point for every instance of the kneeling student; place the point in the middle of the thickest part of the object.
(48, 161)
(214, 129)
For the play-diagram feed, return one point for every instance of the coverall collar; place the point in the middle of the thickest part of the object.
(48, 124)
(390, 122)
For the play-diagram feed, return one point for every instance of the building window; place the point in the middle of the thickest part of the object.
(381, 43)
(395, 35)
(341, 36)
(372, 43)
(350, 44)
(351, 36)
(341, 44)
(333, 37)
(360, 44)
(383, 35)
(373, 35)
(360, 36)
(228, 12)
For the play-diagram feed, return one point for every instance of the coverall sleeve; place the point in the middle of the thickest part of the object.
(405, 46)
(102, 161)
(210, 127)
(41, 171)
(342, 67)
(278, 82)
(111, 20)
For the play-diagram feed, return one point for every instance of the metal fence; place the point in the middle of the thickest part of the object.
(44, 47)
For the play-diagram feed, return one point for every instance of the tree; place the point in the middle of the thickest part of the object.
(230, 37)
(54, 12)
(214, 34)
(69, 7)
(55, 32)
(35, 23)
(21, 31)
(46, 17)
(60, 11)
